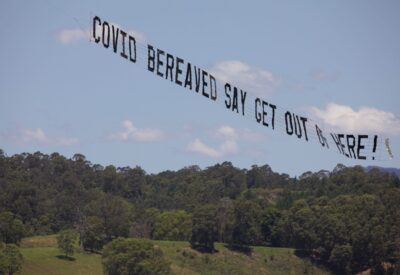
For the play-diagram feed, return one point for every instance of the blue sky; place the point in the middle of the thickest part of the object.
(335, 62)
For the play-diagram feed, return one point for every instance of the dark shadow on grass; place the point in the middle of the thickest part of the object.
(313, 257)
(206, 250)
(66, 258)
(240, 248)
(88, 251)
(302, 253)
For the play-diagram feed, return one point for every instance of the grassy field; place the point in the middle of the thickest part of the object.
(41, 256)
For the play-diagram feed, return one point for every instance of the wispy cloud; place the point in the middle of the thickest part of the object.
(366, 119)
(243, 134)
(74, 35)
(70, 36)
(254, 80)
(38, 136)
(323, 75)
(229, 145)
(132, 133)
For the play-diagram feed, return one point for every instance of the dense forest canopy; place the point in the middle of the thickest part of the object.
(347, 219)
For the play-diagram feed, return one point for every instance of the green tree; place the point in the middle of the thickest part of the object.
(246, 229)
(144, 220)
(225, 219)
(92, 236)
(268, 219)
(233, 180)
(114, 212)
(11, 228)
(10, 259)
(340, 259)
(204, 228)
(173, 225)
(133, 256)
(66, 240)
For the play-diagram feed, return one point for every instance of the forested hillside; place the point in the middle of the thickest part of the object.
(346, 219)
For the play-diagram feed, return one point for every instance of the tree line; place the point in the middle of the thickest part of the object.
(347, 219)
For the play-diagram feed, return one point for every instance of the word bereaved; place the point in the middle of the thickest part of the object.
(167, 66)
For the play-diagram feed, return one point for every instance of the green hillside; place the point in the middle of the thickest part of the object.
(41, 256)
(346, 220)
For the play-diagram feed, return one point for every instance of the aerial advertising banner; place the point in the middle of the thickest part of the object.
(267, 114)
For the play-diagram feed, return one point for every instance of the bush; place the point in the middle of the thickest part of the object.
(133, 256)
(10, 259)
(65, 241)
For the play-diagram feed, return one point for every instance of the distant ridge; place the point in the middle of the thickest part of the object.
(396, 171)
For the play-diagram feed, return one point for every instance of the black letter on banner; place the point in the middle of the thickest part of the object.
(228, 87)
(213, 87)
(374, 148)
(273, 107)
(337, 142)
(264, 104)
(96, 38)
(159, 62)
(304, 120)
(108, 34)
(188, 78)
(133, 59)
(351, 146)
(257, 102)
(115, 38)
(289, 115)
(321, 137)
(297, 126)
(197, 78)
(150, 58)
(235, 100)
(204, 74)
(340, 136)
(123, 34)
(170, 66)
(243, 95)
(178, 71)
(360, 137)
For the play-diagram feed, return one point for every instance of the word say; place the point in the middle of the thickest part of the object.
(232, 101)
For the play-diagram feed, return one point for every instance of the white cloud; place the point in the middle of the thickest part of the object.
(366, 119)
(38, 136)
(70, 36)
(198, 146)
(252, 79)
(227, 132)
(131, 133)
(249, 135)
(229, 145)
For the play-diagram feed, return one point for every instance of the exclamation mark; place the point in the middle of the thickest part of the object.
(374, 149)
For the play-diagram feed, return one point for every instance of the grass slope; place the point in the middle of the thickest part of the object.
(41, 257)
